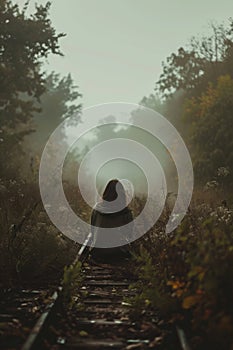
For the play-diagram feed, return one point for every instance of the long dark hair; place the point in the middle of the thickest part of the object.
(114, 189)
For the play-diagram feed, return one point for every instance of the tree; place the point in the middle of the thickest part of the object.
(24, 43)
(57, 104)
(210, 128)
(154, 102)
(206, 58)
(181, 72)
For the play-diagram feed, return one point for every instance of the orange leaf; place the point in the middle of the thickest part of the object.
(190, 301)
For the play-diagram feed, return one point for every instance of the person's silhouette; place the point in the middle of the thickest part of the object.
(112, 212)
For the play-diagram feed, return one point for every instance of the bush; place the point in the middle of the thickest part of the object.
(32, 250)
(188, 274)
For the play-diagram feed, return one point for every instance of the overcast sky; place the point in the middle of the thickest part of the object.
(114, 48)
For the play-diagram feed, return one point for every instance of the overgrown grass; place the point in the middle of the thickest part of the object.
(188, 274)
(32, 250)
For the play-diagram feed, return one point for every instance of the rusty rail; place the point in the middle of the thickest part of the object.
(36, 334)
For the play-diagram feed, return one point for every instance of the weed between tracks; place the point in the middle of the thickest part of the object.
(72, 280)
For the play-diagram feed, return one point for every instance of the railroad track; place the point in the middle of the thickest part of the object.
(19, 310)
(100, 318)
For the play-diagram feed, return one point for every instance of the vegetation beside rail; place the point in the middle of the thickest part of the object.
(188, 276)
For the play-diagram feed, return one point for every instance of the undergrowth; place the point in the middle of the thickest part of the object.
(188, 275)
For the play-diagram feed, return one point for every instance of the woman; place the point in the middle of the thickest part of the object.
(113, 213)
